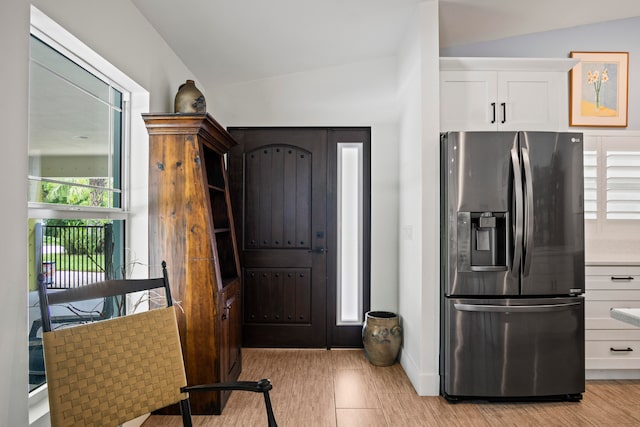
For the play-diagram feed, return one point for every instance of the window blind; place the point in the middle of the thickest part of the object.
(622, 183)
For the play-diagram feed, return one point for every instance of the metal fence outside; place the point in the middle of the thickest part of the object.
(71, 256)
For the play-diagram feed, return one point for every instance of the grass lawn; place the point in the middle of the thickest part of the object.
(66, 262)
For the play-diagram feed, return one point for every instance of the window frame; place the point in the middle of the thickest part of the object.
(133, 129)
(48, 210)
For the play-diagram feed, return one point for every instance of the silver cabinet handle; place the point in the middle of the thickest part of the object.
(621, 278)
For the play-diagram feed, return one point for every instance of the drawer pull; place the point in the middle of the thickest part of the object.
(621, 278)
(621, 349)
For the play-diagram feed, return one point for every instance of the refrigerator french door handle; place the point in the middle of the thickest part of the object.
(490, 308)
(485, 268)
(528, 211)
(519, 220)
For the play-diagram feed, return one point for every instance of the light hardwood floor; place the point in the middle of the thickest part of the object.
(341, 388)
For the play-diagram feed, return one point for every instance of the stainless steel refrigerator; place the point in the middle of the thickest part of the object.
(512, 322)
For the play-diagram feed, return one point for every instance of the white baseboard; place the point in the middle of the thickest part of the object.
(425, 384)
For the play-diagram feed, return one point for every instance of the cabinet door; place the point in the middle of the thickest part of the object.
(468, 101)
(231, 332)
(529, 101)
(235, 333)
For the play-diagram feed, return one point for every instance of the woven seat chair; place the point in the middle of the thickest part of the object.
(107, 372)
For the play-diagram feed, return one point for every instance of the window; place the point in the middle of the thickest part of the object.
(623, 181)
(132, 211)
(77, 221)
(75, 133)
(612, 196)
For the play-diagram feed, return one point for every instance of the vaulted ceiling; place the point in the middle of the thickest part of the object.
(235, 41)
(230, 41)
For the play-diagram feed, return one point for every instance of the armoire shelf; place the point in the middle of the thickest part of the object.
(191, 227)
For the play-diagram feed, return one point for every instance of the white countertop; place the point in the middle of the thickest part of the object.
(628, 315)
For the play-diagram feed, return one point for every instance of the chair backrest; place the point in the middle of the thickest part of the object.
(108, 372)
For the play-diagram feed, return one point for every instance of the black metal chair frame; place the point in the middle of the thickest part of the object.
(112, 288)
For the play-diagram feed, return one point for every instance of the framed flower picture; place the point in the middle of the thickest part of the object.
(599, 89)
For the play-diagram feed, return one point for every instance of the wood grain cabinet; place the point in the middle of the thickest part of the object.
(509, 94)
(612, 347)
(191, 227)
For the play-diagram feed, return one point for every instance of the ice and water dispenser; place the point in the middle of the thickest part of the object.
(483, 241)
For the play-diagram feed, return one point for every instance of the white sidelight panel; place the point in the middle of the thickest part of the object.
(350, 233)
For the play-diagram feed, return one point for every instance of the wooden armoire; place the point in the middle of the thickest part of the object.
(191, 228)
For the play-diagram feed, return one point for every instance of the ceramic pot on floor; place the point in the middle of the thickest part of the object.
(382, 337)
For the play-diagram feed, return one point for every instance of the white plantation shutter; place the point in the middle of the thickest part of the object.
(612, 178)
(623, 184)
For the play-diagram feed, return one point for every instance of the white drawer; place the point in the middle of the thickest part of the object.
(595, 308)
(597, 314)
(612, 295)
(612, 334)
(602, 333)
(611, 270)
(606, 323)
(598, 355)
(610, 281)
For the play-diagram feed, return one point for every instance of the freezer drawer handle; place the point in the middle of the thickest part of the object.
(621, 278)
(515, 308)
(486, 268)
(621, 349)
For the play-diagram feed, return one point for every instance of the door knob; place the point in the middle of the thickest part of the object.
(318, 250)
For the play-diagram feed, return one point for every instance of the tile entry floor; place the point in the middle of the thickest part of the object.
(341, 388)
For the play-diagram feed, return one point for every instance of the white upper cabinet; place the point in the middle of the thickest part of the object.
(488, 94)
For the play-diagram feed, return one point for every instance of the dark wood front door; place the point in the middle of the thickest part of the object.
(278, 180)
(284, 193)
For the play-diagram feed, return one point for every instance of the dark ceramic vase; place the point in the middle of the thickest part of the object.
(382, 337)
(189, 99)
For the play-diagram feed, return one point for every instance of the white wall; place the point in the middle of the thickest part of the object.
(359, 94)
(14, 45)
(356, 94)
(430, 302)
(410, 205)
(120, 34)
(384, 217)
(419, 200)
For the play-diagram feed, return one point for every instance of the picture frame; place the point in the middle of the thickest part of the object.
(599, 91)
